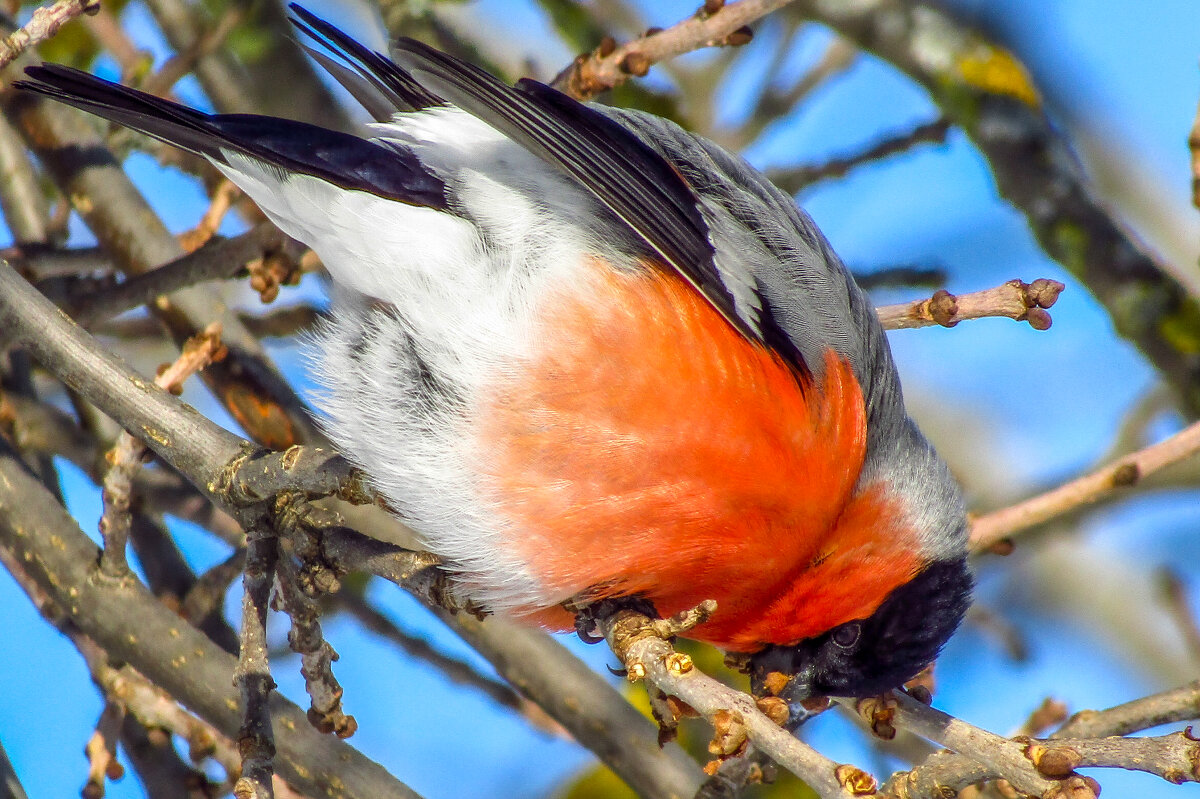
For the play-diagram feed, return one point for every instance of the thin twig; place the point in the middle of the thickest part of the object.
(46, 22)
(1175, 595)
(280, 323)
(154, 709)
(217, 260)
(105, 27)
(125, 458)
(457, 671)
(223, 197)
(1194, 146)
(186, 59)
(160, 768)
(101, 750)
(993, 528)
(1050, 713)
(1174, 757)
(1167, 707)
(604, 68)
(772, 102)
(256, 740)
(1024, 302)
(206, 596)
(297, 597)
(793, 179)
(1087, 740)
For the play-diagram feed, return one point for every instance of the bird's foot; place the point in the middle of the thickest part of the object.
(589, 615)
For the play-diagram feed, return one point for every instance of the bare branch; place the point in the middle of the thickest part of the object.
(296, 595)
(223, 197)
(46, 22)
(793, 179)
(1167, 707)
(22, 198)
(606, 67)
(41, 262)
(256, 738)
(772, 102)
(1024, 302)
(186, 59)
(105, 27)
(217, 260)
(993, 528)
(641, 643)
(101, 751)
(948, 772)
(125, 458)
(1174, 757)
(1194, 145)
(998, 756)
(1175, 595)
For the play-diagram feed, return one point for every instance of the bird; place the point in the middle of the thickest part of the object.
(589, 357)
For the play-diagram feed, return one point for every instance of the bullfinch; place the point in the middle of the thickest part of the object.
(587, 355)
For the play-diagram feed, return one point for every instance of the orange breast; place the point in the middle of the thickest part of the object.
(647, 448)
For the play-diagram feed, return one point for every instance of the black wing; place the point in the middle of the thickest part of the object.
(294, 147)
(374, 80)
(630, 178)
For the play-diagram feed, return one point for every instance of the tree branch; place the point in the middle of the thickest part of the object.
(125, 458)
(1024, 302)
(218, 260)
(1167, 707)
(46, 22)
(990, 753)
(1084, 741)
(1194, 146)
(793, 179)
(256, 736)
(606, 67)
(993, 528)
(641, 643)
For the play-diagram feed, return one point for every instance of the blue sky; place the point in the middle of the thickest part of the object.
(1021, 409)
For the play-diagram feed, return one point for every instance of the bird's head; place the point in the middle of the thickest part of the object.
(869, 656)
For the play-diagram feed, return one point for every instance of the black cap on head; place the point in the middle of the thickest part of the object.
(867, 657)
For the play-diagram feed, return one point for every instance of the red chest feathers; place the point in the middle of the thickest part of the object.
(647, 448)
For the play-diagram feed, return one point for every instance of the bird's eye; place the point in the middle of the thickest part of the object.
(847, 635)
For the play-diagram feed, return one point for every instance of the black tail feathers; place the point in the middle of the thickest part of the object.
(293, 147)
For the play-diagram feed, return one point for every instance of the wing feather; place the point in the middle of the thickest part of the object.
(618, 168)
